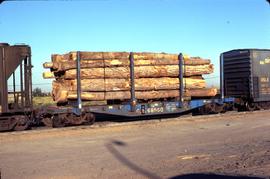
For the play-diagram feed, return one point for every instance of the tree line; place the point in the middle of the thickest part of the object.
(37, 92)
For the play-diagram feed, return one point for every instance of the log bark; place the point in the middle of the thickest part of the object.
(100, 96)
(72, 56)
(63, 66)
(112, 59)
(140, 71)
(124, 84)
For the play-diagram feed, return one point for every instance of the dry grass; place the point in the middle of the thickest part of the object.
(43, 101)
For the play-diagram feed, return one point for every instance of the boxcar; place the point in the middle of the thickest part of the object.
(245, 74)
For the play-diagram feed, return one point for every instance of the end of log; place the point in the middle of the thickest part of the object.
(48, 75)
(206, 92)
(186, 57)
(61, 97)
(48, 65)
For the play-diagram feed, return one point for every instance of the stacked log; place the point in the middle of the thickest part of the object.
(106, 76)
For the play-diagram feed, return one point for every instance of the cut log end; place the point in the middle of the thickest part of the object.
(48, 65)
(48, 75)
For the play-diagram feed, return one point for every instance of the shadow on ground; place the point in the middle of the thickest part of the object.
(124, 160)
(144, 172)
(115, 118)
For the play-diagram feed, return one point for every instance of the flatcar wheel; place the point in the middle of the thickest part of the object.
(265, 105)
(47, 122)
(22, 123)
(235, 107)
(58, 121)
(220, 108)
(90, 118)
(250, 106)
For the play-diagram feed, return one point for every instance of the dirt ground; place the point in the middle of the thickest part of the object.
(218, 146)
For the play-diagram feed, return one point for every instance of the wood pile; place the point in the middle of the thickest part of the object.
(106, 76)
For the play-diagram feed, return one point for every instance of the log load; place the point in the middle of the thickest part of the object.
(106, 76)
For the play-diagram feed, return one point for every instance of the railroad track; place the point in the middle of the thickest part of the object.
(124, 122)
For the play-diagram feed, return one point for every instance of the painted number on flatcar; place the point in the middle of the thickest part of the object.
(155, 110)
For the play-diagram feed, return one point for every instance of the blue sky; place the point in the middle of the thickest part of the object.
(202, 28)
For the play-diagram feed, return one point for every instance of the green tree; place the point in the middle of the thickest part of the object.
(37, 92)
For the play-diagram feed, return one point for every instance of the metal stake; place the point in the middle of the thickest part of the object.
(132, 83)
(79, 99)
(222, 76)
(181, 79)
